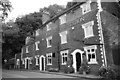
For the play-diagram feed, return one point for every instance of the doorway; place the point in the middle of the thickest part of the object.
(78, 60)
(27, 63)
(42, 63)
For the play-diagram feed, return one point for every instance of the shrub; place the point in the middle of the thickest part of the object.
(86, 69)
(107, 72)
(35, 68)
(53, 70)
(68, 69)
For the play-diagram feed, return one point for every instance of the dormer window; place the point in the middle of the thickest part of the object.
(86, 7)
(27, 40)
(88, 29)
(37, 32)
(27, 49)
(48, 26)
(62, 19)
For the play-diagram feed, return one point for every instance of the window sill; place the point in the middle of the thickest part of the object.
(86, 12)
(49, 64)
(63, 64)
(49, 46)
(89, 36)
(37, 64)
(92, 62)
(64, 43)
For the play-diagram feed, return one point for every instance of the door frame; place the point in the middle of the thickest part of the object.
(27, 58)
(74, 58)
(40, 62)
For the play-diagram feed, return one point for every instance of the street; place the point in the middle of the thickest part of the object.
(26, 74)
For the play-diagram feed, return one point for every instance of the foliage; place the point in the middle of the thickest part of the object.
(71, 4)
(5, 6)
(29, 23)
(86, 69)
(107, 73)
(53, 70)
(53, 9)
(68, 69)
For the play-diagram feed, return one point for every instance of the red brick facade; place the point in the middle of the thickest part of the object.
(76, 43)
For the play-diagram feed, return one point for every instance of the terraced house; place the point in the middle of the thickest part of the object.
(89, 27)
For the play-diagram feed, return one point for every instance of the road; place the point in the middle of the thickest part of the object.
(27, 74)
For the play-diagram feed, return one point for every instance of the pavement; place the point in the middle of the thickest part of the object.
(87, 76)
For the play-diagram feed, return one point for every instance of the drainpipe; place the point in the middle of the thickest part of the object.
(58, 48)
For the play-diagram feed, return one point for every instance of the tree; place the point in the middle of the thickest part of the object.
(5, 7)
(29, 23)
(53, 9)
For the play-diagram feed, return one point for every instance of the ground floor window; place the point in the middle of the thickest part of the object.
(23, 61)
(18, 62)
(37, 60)
(91, 54)
(64, 57)
(49, 58)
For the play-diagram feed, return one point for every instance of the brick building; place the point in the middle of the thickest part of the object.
(89, 27)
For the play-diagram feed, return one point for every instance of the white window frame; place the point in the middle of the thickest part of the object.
(92, 61)
(37, 45)
(23, 61)
(27, 49)
(86, 7)
(62, 19)
(48, 44)
(49, 54)
(18, 62)
(27, 40)
(88, 29)
(48, 26)
(36, 60)
(63, 36)
(64, 52)
(37, 32)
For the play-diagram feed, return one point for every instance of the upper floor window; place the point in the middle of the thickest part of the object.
(62, 19)
(49, 41)
(91, 54)
(48, 26)
(63, 36)
(86, 7)
(37, 45)
(49, 58)
(27, 40)
(27, 49)
(88, 29)
(37, 32)
(64, 56)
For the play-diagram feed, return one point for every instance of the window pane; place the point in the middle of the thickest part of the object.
(93, 55)
(89, 57)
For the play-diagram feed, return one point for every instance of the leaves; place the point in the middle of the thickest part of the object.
(5, 6)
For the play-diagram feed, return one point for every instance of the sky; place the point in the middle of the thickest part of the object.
(22, 7)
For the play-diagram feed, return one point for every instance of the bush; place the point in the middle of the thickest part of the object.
(86, 69)
(53, 70)
(107, 72)
(35, 68)
(68, 69)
